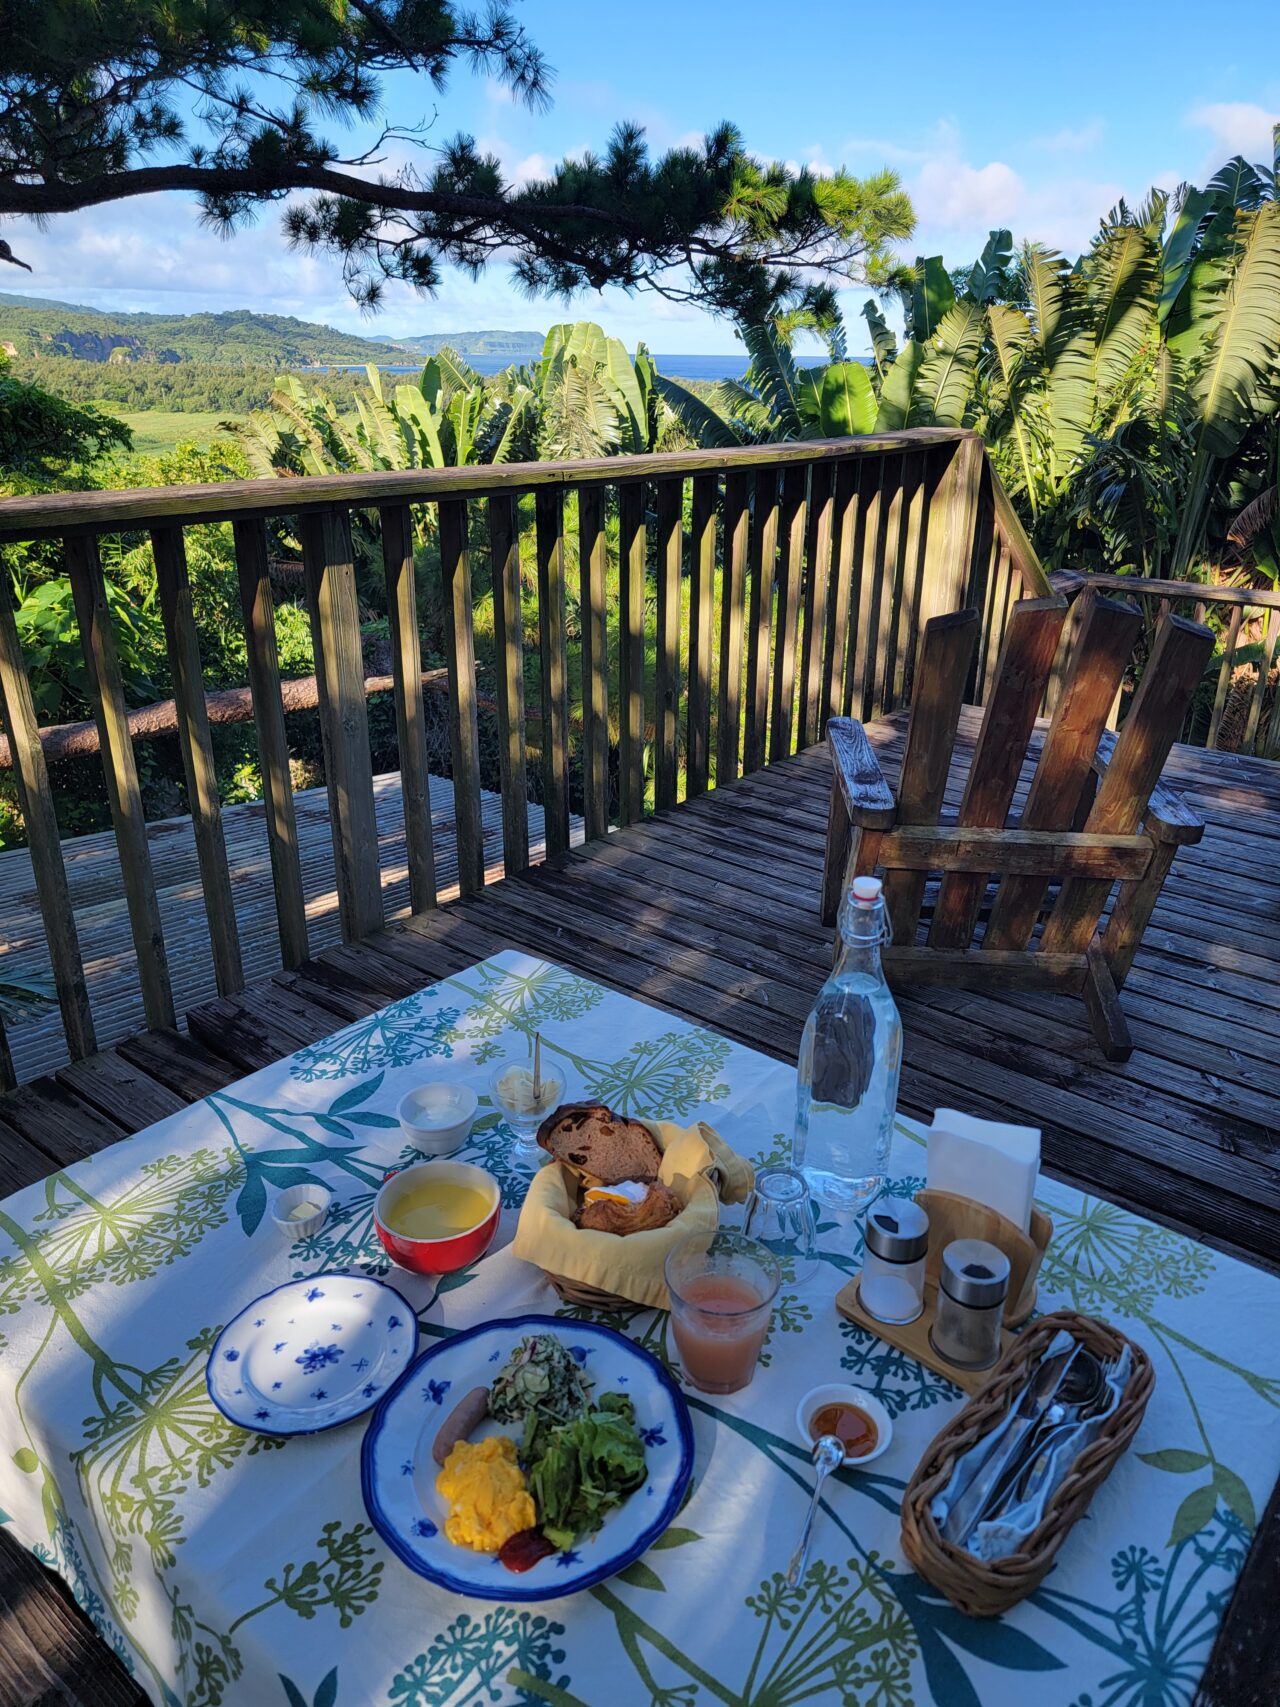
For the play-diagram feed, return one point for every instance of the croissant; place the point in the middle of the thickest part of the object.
(611, 1215)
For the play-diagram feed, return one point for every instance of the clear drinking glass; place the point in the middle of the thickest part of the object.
(722, 1287)
(780, 1214)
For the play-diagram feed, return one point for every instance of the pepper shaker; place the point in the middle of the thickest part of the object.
(973, 1283)
(896, 1235)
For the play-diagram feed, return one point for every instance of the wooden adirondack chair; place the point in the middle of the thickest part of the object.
(1095, 812)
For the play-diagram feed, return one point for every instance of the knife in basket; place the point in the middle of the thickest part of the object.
(1035, 1401)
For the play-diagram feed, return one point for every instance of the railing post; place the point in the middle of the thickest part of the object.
(508, 642)
(702, 567)
(35, 796)
(737, 526)
(411, 725)
(631, 550)
(952, 528)
(666, 692)
(327, 559)
(762, 575)
(595, 663)
(173, 582)
(273, 742)
(817, 600)
(464, 725)
(549, 535)
(842, 616)
(98, 642)
(791, 565)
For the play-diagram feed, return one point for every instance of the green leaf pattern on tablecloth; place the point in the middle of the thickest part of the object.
(130, 1497)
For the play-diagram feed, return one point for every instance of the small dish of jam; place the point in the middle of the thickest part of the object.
(856, 1418)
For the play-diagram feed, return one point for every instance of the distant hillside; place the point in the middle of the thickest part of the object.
(36, 327)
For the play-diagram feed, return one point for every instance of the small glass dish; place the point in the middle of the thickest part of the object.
(511, 1086)
(299, 1210)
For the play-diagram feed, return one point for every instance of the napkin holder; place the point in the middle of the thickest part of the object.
(954, 1217)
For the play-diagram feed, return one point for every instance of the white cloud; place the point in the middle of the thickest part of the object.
(1237, 127)
(1071, 140)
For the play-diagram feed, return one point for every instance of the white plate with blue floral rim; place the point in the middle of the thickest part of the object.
(312, 1354)
(398, 1473)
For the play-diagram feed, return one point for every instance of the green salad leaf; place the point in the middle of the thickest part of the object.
(579, 1471)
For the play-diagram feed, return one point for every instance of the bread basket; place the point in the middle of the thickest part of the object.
(602, 1271)
(985, 1588)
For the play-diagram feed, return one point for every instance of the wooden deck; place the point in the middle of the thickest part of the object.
(97, 895)
(710, 911)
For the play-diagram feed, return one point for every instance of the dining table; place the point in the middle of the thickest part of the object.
(228, 1566)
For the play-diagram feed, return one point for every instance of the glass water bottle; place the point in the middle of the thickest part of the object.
(850, 1062)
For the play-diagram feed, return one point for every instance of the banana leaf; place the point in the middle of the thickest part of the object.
(931, 297)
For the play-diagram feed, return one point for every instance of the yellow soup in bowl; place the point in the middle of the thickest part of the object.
(437, 1209)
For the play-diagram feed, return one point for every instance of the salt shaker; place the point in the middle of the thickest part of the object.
(896, 1234)
(973, 1283)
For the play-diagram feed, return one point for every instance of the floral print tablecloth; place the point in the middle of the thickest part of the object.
(229, 1568)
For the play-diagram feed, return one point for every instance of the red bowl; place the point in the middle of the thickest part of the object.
(437, 1256)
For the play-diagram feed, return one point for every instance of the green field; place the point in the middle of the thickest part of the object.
(157, 430)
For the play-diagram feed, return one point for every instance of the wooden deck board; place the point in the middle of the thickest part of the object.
(711, 911)
(93, 875)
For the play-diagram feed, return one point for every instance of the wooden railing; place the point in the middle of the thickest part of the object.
(1247, 621)
(810, 570)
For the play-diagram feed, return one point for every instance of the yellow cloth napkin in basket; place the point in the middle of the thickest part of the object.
(698, 1166)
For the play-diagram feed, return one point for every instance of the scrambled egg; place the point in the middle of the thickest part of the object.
(487, 1493)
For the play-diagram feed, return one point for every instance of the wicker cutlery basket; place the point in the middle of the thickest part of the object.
(985, 1588)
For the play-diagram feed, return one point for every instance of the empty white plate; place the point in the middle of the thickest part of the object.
(311, 1354)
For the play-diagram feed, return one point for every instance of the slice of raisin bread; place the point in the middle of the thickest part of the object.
(592, 1139)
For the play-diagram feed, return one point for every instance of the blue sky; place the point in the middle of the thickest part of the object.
(1031, 117)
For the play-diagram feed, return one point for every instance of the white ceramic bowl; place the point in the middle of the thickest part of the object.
(291, 1199)
(437, 1117)
(843, 1392)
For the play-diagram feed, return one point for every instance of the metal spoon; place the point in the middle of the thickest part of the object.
(1081, 1386)
(828, 1455)
(537, 1069)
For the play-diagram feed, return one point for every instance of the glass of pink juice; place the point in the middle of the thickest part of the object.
(722, 1290)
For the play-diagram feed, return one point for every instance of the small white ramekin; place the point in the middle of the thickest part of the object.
(290, 1199)
(843, 1392)
(437, 1117)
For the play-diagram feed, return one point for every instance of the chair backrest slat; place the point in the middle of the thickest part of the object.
(946, 653)
(1177, 662)
(1026, 658)
(1101, 641)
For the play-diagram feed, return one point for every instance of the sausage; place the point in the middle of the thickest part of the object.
(469, 1412)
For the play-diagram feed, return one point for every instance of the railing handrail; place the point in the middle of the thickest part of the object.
(1072, 581)
(45, 515)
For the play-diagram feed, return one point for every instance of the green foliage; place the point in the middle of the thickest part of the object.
(1129, 399)
(41, 436)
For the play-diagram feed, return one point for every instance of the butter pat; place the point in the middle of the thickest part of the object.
(986, 1160)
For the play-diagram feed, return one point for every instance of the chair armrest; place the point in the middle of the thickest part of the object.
(868, 798)
(1167, 817)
